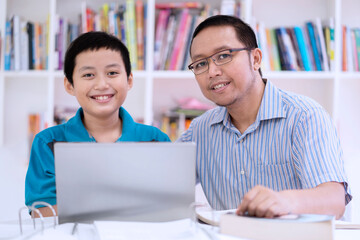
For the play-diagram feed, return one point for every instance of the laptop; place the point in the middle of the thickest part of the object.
(128, 181)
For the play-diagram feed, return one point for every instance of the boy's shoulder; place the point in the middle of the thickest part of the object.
(138, 132)
(146, 133)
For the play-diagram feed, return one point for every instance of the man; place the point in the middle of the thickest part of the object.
(263, 151)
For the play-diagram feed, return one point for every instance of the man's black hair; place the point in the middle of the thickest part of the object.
(93, 41)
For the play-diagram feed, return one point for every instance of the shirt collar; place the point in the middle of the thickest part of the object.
(77, 132)
(271, 104)
(271, 107)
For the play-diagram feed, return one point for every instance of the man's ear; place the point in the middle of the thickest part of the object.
(257, 56)
(68, 86)
(130, 81)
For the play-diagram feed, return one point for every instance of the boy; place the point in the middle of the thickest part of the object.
(98, 73)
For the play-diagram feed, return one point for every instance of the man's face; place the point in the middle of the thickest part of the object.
(232, 82)
(100, 83)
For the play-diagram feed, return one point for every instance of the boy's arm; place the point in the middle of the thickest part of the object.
(45, 212)
(40, 177)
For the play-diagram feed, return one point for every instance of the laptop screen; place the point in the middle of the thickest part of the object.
(147, 181)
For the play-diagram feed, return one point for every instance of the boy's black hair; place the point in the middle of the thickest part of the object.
(244, 32)
(94, 41)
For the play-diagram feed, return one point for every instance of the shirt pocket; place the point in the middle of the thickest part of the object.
(280, 176)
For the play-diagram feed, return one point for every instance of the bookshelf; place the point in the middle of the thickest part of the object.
(23, 92)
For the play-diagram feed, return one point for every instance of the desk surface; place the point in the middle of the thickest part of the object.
(11, 230)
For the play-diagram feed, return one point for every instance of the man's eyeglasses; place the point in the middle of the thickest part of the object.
(219, 58)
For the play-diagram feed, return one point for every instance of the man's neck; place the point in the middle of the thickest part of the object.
(244, 113)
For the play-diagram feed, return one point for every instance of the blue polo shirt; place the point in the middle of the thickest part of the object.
(40, 177)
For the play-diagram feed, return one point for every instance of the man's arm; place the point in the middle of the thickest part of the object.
(327, 198)
(45, 212)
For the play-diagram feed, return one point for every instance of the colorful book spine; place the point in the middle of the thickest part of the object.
(139, 7)
(16, 42)
(354, 51)
(183, 43)
(159, 36)
(131, 32)
(295, 45)
(178, 38)
(349, 53)
(357, 36)
(312, 37)
(121, 16)
(7, 53)
(275, 51)
(187, 59)
(289, 52)
(344, 52)
(170, 5)
(302, 48)
(262, 40)
(325, 62)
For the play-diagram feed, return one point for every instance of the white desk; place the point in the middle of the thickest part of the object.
(11, 230)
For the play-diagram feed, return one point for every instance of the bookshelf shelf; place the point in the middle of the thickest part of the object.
(350, 75)
(298, 75)
(27, 74)
(173, 74)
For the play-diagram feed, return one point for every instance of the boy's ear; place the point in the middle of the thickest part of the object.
(130, 81)
(68, 87)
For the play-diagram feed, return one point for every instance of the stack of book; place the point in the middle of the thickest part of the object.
(350, 49)
(300, 48)
(174, 27)
(26, 45)
(126, 20)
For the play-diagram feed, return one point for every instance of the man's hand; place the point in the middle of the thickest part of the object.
(264, 202)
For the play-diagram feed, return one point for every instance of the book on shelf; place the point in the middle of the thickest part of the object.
(175, 23)
(169, 5)
(130, 23)
(7, 51)
(125, 20)
(295, 227)
(26, 45)
(262, 40)
(291, 32)
(303, 50)
(139, 8)
(297, 48)
(353, 51)
(314, 45)
(322, 46)
(350, 49)
(357, 37)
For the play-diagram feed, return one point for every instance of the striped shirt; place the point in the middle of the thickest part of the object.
(292, 144)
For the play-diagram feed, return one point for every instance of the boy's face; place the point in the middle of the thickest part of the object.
(100, 83)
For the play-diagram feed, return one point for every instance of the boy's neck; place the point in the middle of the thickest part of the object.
(103, 130)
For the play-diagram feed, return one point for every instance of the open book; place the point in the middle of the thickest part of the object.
(212, 217)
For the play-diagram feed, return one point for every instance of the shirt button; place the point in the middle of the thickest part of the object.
(242, 172)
